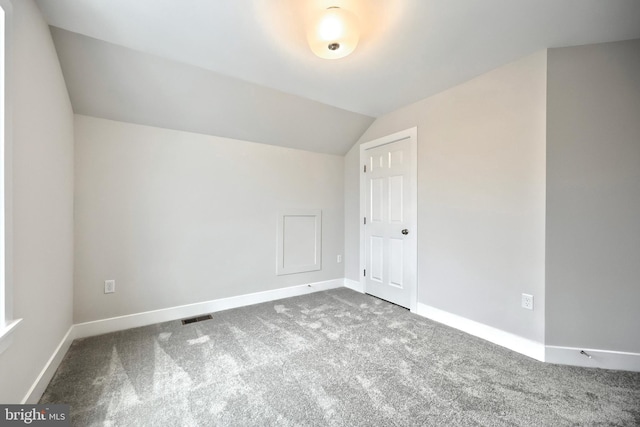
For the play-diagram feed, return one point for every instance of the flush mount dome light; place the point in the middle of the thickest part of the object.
(334, 34)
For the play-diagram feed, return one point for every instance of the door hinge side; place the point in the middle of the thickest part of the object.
(365, 168)
(365, 273)
(365, 220)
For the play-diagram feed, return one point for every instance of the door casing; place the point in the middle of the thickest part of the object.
(412, 135)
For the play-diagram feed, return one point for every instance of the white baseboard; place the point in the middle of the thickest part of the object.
(511, 341)
(120, 323)
(605, 359)
(39, 386)
(354, 285)
(553, 354)
(114, 324)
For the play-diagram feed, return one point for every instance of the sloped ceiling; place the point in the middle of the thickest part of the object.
(206, 55)
(113, 82)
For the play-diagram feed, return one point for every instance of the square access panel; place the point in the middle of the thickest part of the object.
(299, 241)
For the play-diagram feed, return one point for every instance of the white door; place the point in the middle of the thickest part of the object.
(389, 221)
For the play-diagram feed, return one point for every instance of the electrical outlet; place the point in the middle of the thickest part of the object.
(109, 286)
(527, 301)
(339, 259)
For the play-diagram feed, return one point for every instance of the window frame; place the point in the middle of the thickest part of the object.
(8, 324)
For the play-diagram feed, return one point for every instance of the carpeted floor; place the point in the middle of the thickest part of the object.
(334, 358)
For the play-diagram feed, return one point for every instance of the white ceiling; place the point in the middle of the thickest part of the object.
(410, 49)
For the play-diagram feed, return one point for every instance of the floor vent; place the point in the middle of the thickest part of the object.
(196, 319)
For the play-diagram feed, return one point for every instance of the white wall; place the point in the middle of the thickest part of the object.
(481, 196)
(178, 218)
(352, 213)
(42, 203)
(593, 209)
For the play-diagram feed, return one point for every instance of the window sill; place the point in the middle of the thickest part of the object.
(6, 334)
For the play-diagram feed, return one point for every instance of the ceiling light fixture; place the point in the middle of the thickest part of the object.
(334, 34)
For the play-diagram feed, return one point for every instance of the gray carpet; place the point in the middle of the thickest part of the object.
(334, 358)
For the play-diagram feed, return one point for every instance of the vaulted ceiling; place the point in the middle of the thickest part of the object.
(242, 69)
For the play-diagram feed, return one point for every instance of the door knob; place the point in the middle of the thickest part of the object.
(405, 231)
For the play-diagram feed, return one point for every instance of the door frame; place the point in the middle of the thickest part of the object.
(412, 135)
